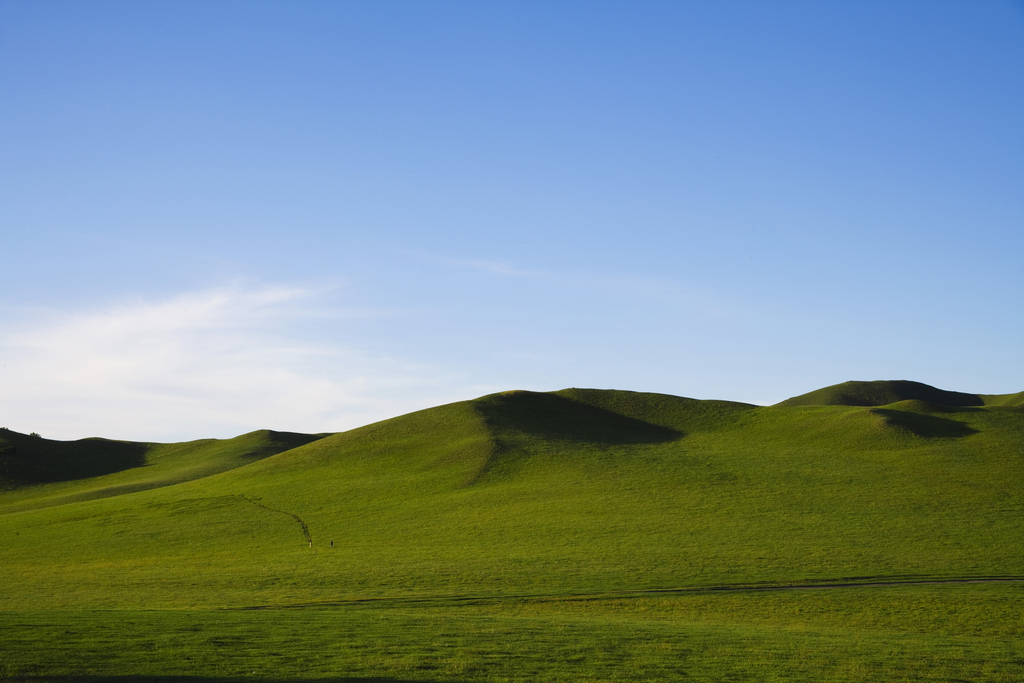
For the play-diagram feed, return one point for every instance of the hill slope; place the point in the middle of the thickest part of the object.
(881, 393)
(1003, 399)
(37, 472)
(576, 491)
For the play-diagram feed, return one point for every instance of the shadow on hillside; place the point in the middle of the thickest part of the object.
(278, 442)
(557, 418)
(925, 425)
(32, 459)
(202, 679)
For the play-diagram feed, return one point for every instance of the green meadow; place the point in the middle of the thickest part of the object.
(863, 532)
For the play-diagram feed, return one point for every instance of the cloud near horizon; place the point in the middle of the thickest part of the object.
(213, 363)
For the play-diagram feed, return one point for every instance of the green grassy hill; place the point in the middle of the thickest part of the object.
(1003, 399)
(37, 472)
(527, 520)
(882, 393)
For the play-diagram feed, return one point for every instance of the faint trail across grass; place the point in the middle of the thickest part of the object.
(305, 527)
(612, 595)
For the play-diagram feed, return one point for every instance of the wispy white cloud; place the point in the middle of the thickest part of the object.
(495, 267)
(694, 299)
(210, 363)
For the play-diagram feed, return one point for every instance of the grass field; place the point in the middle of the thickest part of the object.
(574, 535)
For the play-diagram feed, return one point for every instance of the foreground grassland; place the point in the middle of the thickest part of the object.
(936, 633)
(577, 535)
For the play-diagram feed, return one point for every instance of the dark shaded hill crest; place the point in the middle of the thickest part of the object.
(27, 458)
(883, 393)
(553, 417)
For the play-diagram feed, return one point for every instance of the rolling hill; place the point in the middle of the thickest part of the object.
(880, 393)
(37, 472)
(519, 497)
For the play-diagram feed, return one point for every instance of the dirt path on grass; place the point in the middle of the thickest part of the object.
(612, 595)
(305, 527)
(846, 584)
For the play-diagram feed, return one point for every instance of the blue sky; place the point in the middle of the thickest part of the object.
(223, 216)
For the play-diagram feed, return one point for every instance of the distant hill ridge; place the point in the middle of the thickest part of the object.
(885, 392)
(523, 493)
(86, 469)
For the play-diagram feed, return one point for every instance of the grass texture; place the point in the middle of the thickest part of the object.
(573, 535)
